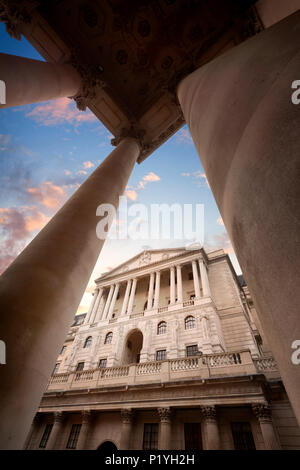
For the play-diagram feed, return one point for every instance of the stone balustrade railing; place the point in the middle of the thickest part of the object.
(206, 366)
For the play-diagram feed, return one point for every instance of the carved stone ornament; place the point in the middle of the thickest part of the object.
(86, 416)
(14, 14)
(209, 413)
(262, 412)
(59, 416)
(127, 415)
(164, 414)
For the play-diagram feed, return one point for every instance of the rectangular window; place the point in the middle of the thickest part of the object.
(80, 366)
(45, 436)
(191, 276)
(242, 436)
(150, 439)
(73, 438)
(56, 367)
(63, 350)
(192, 350)
(192, 436)
(161, 355)
(102, 363)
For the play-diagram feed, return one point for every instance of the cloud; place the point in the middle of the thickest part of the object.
(185, 174)
(47, 194)
(220, 221)
(151, 177)
(131, 194)
(217, 242)
(196, 175)
(184, 136)
(62, 110)
(87, 165)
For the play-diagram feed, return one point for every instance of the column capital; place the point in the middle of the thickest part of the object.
(127, 415)
(262, 412)
(165, 414)
(59, 416)
(86, 416)
(14, 14)
(208, 412)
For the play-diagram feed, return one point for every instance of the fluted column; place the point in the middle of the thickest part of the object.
(90, 310)
(179, 285)
(132, 294)
(56, 430)
(172, 285)
(86, 419)
(50, 276)
(251, 162)
(28, 81)
(126, 297)
(204, 279)
(150, 292)
(100, 307)
(95, 314)
(212, 437)
(126, 431)
(108, 300)
(165, 429)
(113, 300)
(264, 415)
(196, 279)
(157, 290)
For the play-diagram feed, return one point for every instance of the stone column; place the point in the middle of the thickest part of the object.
(179, 285)
(165, 429)
(264, 415)
(132, 294)
(86, 418)
(126, 431)
(157, 289)
(29, 81)
(150, 292)
(113, 301)
(172, 285)
(50, 276)
(56, 430)
(30, 442)
(90, 311)
(108, 300)
(204, 279)
(100, 306)
(196, 279)
(251, 162)
(212, 437)
(95, 313)
(126, 297)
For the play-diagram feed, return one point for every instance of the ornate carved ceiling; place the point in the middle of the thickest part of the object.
(132, 53)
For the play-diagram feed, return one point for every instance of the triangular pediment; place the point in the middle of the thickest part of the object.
(143, 259)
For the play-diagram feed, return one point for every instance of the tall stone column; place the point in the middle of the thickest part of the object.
(172, 285)
(252, 165)
(91, 309)
(132, 294)
(113, 300)
(204, 279)
(126, 297)
(179, 285)
(212, 437)
(86, 419)
(157, 290)
(264, 415)
(56, 430)
(100, 307)
(150, 292)
(126, 430)
(108, 300)
(196, 279)
(96, 308)
(30, 442)
(30, 81)
(165, 429)
(50, 276)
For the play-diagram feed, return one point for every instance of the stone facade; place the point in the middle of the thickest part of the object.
(170, 356)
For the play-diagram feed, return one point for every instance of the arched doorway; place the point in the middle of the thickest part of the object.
(107, 447)
(132, 347)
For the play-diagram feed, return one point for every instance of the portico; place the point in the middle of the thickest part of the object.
(253, 183)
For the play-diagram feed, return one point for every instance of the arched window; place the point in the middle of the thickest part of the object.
(88, 342)
(161, 328)
(189, 322)
(108, 338)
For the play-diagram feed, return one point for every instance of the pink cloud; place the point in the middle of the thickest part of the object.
(183, 135)
(220, 221)
(151, 177)
(59, 111)
(131, 194)
(87, 165)
(47, 194)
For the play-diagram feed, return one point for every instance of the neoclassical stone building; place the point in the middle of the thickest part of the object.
(170, 355)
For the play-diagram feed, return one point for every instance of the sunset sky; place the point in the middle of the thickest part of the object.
(48, 149)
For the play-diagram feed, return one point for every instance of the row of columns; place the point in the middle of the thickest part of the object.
(101, 310)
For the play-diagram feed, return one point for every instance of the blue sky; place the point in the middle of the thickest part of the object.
(48, 149)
